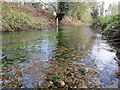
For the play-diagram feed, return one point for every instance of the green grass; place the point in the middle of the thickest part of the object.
(109, 19)
(108, 22)
(18, 19)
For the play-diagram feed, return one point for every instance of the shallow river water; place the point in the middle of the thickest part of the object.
(75, 57)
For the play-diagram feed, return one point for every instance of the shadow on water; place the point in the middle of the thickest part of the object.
(72, 57)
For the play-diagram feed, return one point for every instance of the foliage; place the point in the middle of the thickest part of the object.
(63, 8)
(114, 8)
(86, 17)
(94, 7)
(77, 9)
(109, 19)
(108, 24)
(36, 5)
(94, 13)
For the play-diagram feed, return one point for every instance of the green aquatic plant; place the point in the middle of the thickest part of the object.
(6, 60)
(10, 58)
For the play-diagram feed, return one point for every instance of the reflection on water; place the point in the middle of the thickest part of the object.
(79, 57)
(105, 63)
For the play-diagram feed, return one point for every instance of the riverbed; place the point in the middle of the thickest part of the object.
(70, 57)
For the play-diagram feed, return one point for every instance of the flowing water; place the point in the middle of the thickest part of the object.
(78, 56)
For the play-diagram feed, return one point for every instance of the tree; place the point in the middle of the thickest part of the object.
(77, 9)
(95, 9)
(63, 8)
(102, 9)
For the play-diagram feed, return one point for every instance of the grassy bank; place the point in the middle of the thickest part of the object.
(109, 26)
(16, 17)
(110, 23)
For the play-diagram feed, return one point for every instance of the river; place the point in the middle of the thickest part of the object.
(77, 56)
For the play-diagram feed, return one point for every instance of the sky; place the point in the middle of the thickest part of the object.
(108, 2)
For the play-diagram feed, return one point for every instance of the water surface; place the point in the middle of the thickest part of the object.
(76, 55)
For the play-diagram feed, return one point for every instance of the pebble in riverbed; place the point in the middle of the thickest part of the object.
(59, 83)
(11, 76)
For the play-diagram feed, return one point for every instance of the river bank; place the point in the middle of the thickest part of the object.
(70, 21)
(109, 26)
(17, 17)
